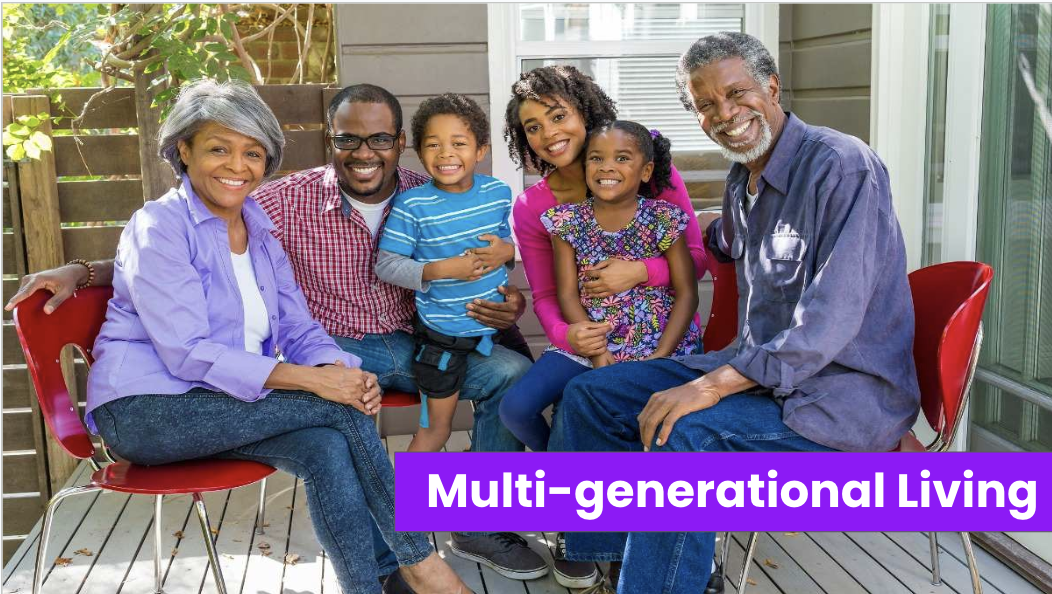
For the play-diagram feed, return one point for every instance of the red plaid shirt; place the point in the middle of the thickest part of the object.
(333, 256)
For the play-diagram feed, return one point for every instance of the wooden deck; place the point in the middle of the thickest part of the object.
(102, 544)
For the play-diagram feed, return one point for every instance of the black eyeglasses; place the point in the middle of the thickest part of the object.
(377, 142)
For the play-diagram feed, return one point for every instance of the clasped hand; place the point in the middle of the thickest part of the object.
(348, 385)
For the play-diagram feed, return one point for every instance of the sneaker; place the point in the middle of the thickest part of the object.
(572, 574)
(506, 553)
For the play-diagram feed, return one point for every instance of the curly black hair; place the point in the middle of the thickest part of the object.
(560, 82)
(654, 147)
(451, 104)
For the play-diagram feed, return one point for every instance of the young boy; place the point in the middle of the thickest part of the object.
(440, 224)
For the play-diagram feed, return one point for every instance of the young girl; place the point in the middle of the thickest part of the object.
(547, 121)
(625, 165)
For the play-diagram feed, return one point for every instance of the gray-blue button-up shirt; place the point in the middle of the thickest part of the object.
(825, 316)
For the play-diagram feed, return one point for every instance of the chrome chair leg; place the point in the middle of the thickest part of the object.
(933, 544)
(45, 530)
(210, 547)
(158, 577)
(750, 550)
(973, 566)
(726, 549)
(261, 513)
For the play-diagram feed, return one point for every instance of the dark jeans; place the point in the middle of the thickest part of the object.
(523, 405)
(598, 414)
(334, 448)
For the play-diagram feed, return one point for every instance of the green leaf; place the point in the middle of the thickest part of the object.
(16, 152)
(198, 35)
(228, 57)
(238, 72)
(212, 26)
(42, 140)
(153, 67)
(43, 115)
(10, 138)
(231, 17)
(18, 130)
(32, 150)
(227, 28)
(216, 47)
(58, 46)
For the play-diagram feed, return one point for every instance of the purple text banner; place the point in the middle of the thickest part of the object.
(524, 492)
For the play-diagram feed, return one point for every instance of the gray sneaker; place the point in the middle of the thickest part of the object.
(572, 574)
(506, 553)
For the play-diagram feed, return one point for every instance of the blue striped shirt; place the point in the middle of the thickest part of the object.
(429, 224)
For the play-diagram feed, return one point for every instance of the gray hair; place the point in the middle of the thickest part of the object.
(720, 46)
(233, 104)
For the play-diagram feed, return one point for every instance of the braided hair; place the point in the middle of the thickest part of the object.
(559, 82)
(654, 147)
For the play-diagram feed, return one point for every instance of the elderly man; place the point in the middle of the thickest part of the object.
(823, 360)
(328, 220)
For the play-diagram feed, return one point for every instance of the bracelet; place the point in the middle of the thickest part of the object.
(91, 271)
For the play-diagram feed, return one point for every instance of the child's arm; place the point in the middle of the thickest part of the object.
(500, 251)
(566, 281)
(467, 268)
(684, 283)
(402, 271)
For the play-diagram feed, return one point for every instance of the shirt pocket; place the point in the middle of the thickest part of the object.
(781, 274)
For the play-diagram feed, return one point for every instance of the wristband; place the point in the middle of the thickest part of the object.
(91, 271)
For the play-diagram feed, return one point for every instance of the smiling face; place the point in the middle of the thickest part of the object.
(224, 167)
(366, 174)
(615, 166)
(450, 152)
(737, 113)
(555, 130)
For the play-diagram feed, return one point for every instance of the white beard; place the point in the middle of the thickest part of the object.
(763, 144)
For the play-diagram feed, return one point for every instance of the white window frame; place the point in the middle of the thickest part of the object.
(761, 21)
(899, 85)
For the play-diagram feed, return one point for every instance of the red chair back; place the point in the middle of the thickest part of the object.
(948, 301)
(77, 321)
(722, 326)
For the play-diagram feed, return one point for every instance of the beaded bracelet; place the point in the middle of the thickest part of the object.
(91, 271)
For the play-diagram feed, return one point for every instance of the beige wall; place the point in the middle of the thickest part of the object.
(824, 58)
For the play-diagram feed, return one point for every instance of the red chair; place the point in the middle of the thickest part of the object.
(77, 322)
(948, 301)
(394, 399)
(722, 327)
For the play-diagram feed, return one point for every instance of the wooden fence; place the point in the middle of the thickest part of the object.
(72, 204)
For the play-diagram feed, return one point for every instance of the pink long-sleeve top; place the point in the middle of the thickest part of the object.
(538, 259)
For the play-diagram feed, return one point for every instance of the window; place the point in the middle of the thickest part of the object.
(631, 50)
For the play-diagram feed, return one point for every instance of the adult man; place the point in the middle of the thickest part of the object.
(823, 359)
(328, 220)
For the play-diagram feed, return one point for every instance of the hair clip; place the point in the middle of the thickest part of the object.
(654, 133)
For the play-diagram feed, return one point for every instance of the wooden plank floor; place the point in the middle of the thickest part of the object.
(103, 544)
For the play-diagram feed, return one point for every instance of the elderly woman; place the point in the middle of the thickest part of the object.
(204, 301)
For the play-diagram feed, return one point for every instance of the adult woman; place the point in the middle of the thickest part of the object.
(204, 298)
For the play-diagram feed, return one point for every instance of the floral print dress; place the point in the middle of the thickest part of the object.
(638, 315)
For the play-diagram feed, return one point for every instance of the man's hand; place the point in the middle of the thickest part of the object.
(497, 253)
(668, 406)
(499, 315)
(588, 339)
(613, 276)
(61, 281)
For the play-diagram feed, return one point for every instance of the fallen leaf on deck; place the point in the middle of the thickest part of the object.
(175, 551)
(750, 581)
(770, 563)
(792, 534)
(178, 534)
(85, 552)
(263, 545)
(288, 507)
(266, 553)
(63, 561)
(215, 531)
(292, 558)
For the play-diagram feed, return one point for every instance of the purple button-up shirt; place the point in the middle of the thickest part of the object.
(825, 313)
(176, 320)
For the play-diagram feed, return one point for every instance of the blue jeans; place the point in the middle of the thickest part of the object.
(599, 411)
(390, 357)
(522, 406)
(332, 447)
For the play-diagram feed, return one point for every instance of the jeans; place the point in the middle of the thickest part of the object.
(599, 411)
(332, 447)
(522, 406)
(390, 357)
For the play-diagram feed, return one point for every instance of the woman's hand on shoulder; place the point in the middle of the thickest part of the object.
(614, 276)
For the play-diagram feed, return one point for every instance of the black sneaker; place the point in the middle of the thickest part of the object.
(506, 553)
(572, 574)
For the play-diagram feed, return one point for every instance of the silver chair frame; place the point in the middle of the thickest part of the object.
(939, 445)
(202, 516)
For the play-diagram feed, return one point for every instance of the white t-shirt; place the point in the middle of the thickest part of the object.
(750, 200)
(257, 327)
(372, 213)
